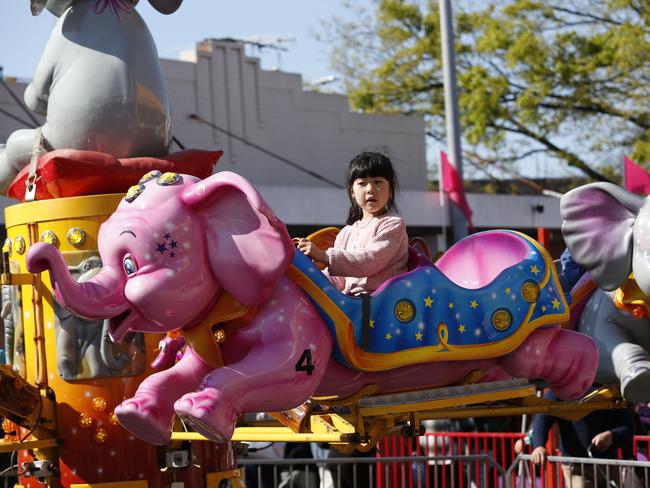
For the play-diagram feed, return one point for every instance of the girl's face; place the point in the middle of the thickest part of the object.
(371, 194)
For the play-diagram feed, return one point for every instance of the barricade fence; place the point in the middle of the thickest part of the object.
(573, 472)
(454, 460)
(497, 445)
(355, 472)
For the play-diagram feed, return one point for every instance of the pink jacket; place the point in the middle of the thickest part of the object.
(367, 253)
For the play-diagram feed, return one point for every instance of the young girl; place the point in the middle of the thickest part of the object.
(373, 246)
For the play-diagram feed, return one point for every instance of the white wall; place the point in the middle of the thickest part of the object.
(270, 109)
(329, 206)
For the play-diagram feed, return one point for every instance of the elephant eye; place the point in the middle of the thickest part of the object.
(129, 265)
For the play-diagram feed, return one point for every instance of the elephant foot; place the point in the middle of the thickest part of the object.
(143, 422)
(635, 383)
(206, 413)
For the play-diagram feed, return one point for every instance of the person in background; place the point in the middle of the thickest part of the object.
(570, 273)
(599, 434)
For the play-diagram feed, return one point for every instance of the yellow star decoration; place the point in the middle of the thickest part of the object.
(473, 304)
(543, 308)
(461, 328)
(451, 305)
(556, 304)
(534, 269)
(372, 324)
(507, 291)
(418, 336)
(389, 336)
(427, 302)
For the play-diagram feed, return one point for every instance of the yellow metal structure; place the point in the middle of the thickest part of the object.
(363, 427)
(9, 446)
(119, 484)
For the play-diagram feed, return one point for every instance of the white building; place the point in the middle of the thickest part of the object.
(274, 133)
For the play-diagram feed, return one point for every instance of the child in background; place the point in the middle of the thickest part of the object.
(373, 246)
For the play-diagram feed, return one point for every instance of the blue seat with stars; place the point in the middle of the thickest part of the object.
(481, 299)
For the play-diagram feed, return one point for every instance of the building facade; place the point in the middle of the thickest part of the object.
(294, 145)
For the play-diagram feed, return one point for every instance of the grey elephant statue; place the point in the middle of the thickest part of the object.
(98, 83)
(82, 342)
(607, 231)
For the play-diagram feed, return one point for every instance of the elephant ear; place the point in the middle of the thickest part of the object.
(248, 246)
(166, 6)
(597, 224)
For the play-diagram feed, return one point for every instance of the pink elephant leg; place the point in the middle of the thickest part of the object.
(149, 413)
(275, 374)
(565, 359)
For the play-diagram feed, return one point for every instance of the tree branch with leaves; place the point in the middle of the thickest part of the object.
(569, 80)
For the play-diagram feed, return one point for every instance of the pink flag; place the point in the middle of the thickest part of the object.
(637, 179)
(453, 186)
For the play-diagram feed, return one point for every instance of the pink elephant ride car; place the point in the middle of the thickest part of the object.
(265, 330)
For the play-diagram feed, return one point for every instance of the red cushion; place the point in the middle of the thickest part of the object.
(71, 173)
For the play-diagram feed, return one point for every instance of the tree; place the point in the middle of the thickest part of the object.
(566, 78)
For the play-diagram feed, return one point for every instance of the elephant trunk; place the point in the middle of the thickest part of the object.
(101, 297)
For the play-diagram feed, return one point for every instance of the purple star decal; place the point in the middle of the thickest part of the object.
(167, 235)
(173, 244)
(161, 248)
(172, 254)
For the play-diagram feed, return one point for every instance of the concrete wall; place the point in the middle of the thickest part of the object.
(270, 109)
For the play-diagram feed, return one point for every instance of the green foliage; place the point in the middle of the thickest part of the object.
(570, 79)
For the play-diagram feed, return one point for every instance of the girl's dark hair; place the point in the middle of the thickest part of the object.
(365, 165)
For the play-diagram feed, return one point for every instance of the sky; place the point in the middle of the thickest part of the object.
(24, 36)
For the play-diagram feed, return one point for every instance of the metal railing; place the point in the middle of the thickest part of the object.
(571, 472)
(488, 469)
(356, 472)
(499, 446)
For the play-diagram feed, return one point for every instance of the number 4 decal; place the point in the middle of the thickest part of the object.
(304, 363)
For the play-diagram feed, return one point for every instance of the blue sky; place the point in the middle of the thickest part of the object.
(24, 36)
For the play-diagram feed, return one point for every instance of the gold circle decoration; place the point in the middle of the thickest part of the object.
(50, 237)
(151, 175)
(220, 336)
(7, 246)
(167, 179)
(530, 291)
(101, 435)
(76, 236)
(404, 311)
(85, 420)
(99, 404)
(133, 192)
(501, 319)
(112, 419)
(19, 245)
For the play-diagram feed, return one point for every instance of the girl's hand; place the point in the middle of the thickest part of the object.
(310, 249)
